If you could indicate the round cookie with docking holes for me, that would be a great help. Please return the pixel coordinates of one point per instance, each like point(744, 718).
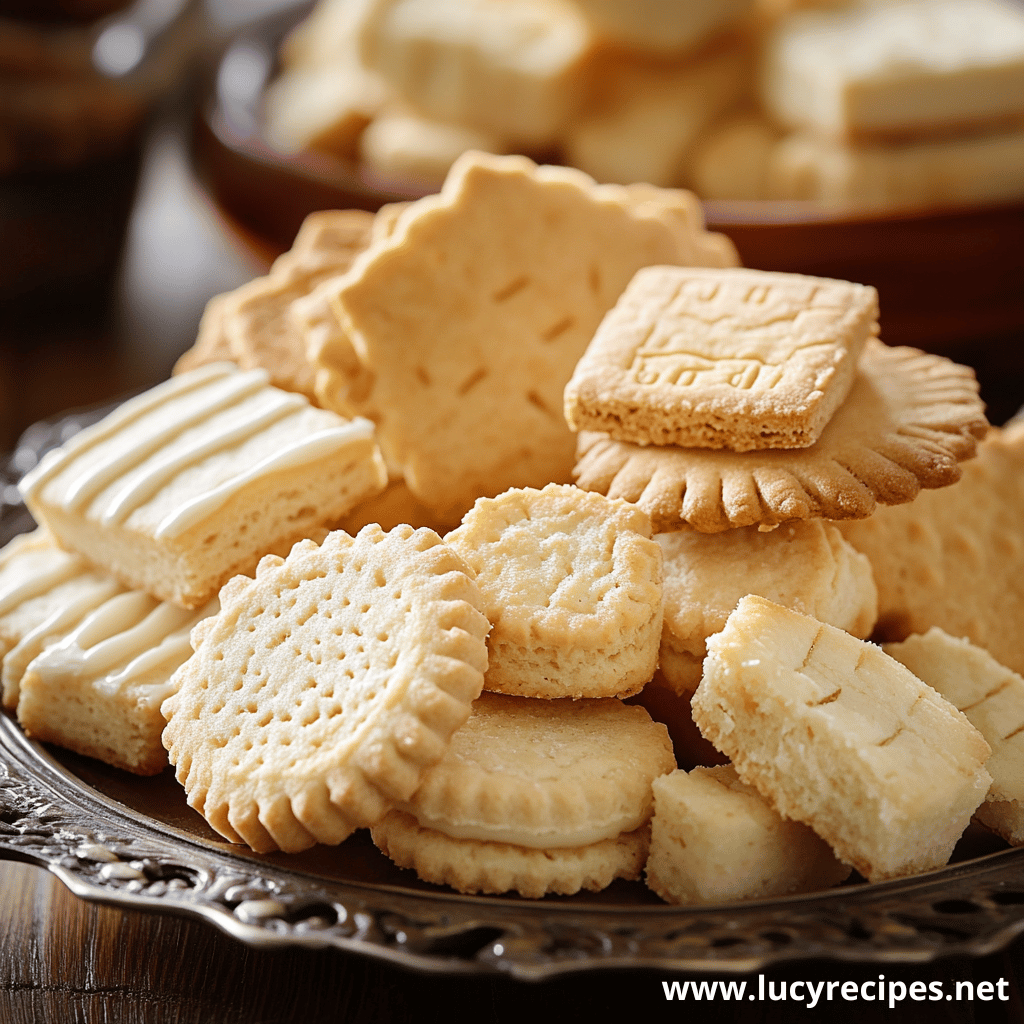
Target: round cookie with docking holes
point(326, 686)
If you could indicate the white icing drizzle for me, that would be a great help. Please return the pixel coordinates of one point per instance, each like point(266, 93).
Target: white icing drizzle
point(136, 492)
point(117, 646)
point(61, 621)
point(34, 583)
point(308, 449)
point(125, 414)
point(550, 839)
point(84, 487)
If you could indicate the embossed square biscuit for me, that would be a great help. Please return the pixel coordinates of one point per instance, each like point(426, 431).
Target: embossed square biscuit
point(737, 359)
point(908, 421)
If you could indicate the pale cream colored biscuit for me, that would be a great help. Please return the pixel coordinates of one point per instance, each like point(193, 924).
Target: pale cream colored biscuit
point(572, 588)
point(44, 593)
point(715, 839)
point(193, 480)
point(471, 866)
point(992, 698)
point(955, 558)
point(731, 161)
point(515, 69)
point(537, 796)
point(472, 313)
point(659, 27)
point(254, 325)
point(805, 566)
point(892, 69)
point(909, 419)
point(323, 108)
point(326, 686)
point(98, 690)
point(545, 774)
point(400, 144)
point(838, 735)
point(957, 171)
point(327, 36)
point(722, 358)
point(651, 114)
point(394, 506)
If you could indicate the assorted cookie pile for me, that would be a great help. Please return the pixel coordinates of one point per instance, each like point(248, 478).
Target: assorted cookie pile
point(370, 595)
point(899, 103)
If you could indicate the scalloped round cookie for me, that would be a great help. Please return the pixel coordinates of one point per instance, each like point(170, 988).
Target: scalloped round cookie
point(572, 586)
point(545, 774)
point(325, 686)
point(470, 866)
point(907, 422)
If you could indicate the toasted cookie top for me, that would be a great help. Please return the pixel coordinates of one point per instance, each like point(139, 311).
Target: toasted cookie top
point(326, 685)
point(722, 358)
point(907, 422)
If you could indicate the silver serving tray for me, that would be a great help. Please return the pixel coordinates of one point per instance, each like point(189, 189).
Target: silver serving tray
point(133, 842)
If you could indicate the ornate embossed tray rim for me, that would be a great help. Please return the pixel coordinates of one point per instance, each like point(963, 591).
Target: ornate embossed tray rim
point(110, 851)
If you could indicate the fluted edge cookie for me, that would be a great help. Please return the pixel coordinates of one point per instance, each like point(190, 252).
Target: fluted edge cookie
point(325, 686)
point(908, 421)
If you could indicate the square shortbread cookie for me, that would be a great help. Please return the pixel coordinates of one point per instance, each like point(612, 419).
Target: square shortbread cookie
point(921, 66)
point(992, 697)
point(838, 735)
point(715, 839)
point(737, 359)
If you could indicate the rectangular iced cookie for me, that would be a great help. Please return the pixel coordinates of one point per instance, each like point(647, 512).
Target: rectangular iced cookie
point(714, 838)
point(992, 697)
point(44, 592)
point(191, 482)
point(98, 691)
point(838, 735)
point(887, 69)
point(722, 358)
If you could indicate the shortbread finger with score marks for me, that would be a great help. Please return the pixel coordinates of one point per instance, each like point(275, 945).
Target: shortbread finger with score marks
point(195, 479)
point(838, 735)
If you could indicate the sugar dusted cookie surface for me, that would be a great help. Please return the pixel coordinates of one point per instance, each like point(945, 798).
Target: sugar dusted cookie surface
point(805, 566)
point(192, 481)
point(536, 796)
point(908, 421)
point(472, 313)
point(572, 587)
point(836, 734)
point(955, 558)
point(992, 698)
point(715, 839)
point(326, 686)
point(737, 359)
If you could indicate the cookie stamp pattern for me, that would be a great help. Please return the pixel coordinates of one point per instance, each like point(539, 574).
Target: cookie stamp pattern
point(908, 421)
point(737, 359)
point(572, 586)
point(836, 734)
point(325, 687)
